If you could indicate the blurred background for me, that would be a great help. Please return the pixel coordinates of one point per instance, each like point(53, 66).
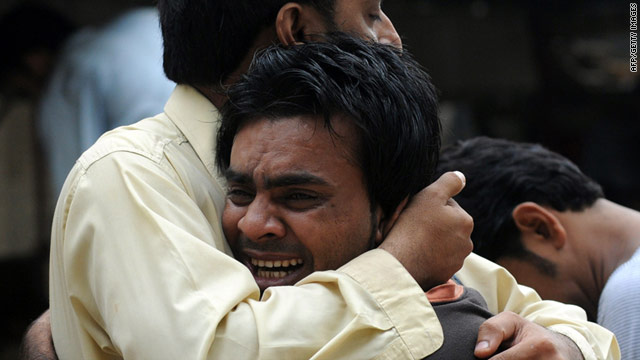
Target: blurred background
point(551, 72)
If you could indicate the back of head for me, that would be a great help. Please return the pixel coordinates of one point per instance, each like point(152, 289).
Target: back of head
point(502, 174)
point(384, 92)
point(206, 40)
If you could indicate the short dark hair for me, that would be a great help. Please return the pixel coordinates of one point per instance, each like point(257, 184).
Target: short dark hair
point(502, 174)
point(206, 40)
point(381, 90)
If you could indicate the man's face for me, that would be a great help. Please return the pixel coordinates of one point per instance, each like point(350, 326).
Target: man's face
point(296, 200)
point(365, 17)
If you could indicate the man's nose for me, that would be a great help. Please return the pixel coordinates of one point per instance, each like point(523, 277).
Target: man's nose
point(387, 33)
point(261, 222)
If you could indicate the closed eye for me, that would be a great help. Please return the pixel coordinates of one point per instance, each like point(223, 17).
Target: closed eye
point(240, 197)
point(301, 196)
point(300, 201)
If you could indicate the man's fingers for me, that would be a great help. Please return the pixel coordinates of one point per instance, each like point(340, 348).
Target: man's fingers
point(514, 353)
point(495, 331)
point(449, 184)
point(460, 175)
point(516, 338)
point(527, 351)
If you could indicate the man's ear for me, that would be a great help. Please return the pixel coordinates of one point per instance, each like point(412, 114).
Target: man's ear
point(296, 22)
point(537, 223)
point(385, 223)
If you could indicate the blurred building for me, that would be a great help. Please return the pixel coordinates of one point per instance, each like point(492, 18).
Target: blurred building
point(554, 72)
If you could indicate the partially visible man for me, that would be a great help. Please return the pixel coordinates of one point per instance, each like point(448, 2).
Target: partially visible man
point(550, 225)
point(31, 36)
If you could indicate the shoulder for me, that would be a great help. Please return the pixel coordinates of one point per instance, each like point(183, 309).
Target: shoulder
point(143, 162)
point(148, 138)
point(475, 265)
point(618, 308)
point(620, 293)
point(624, 278)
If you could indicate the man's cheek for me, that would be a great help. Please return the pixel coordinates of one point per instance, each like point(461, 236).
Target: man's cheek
point(230, 218)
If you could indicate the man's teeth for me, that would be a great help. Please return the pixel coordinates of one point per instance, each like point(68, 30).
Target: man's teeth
point(273, 274)
point(276, 263)
point(265, 267)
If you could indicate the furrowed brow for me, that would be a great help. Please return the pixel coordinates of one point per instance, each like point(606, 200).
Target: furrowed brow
point(237, 177)
point(302, 178)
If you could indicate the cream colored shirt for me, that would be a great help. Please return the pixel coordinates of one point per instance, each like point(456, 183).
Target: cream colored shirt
point(140, 268)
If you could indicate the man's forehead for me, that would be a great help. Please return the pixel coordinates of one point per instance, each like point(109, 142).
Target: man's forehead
point(290, 133)
point(290, 151)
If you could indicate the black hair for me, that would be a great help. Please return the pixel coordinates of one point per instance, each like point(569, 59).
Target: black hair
point(206, 40)
point(502, 174)
point(382, 91)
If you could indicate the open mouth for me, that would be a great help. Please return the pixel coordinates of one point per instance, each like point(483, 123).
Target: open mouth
point(275, 269)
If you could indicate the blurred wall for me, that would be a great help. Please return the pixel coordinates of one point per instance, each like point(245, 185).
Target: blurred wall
point(540, 71)
point(83, 12)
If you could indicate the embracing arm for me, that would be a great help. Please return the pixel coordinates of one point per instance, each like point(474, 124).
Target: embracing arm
point(503, 294)
point(431, 238)
point(139, 270)
point(37, 343)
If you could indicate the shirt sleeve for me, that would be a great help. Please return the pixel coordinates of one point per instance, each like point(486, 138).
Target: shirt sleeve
point(502, 293)
point(145, 280)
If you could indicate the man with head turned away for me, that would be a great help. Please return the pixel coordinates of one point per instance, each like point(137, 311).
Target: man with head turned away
point(550, 225)
point(140, 267)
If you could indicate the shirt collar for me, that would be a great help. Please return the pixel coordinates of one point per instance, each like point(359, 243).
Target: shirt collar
point(198, 119)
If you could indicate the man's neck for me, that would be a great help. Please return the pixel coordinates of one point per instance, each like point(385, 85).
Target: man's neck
point(610, 234)
point(265, 38)
point(217, 98)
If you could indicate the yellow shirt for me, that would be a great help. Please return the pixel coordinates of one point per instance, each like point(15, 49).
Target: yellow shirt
point(140, 268)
